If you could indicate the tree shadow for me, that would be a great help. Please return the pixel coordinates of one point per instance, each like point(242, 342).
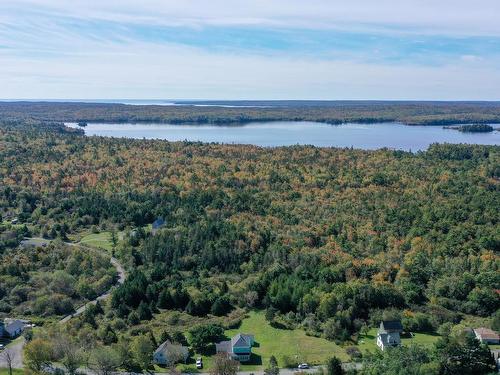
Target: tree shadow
point(278, 325)
point(255, 360)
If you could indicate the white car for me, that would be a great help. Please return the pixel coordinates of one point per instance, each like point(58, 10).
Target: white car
point(1, 346)
point(303, 366)
point(199, 363)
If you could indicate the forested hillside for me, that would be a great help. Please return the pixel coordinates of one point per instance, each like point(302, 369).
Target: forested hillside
point(325, 239)
point(333, 112)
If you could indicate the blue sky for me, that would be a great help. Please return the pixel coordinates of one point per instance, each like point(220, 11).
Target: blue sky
point(357, 49)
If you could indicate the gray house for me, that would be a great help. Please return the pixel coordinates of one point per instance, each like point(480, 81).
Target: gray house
point(239, 347)
point(11, 328)
point(388, 335)
point(169, 353)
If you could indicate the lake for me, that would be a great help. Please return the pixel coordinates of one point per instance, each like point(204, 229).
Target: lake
point(287, 133)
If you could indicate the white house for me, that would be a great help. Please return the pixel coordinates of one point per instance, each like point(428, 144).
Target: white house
point(169, 353)
point(388, 335)
point(487, 336)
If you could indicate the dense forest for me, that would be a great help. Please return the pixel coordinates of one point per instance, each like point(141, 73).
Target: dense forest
point(334, 112)
point(330, 240)
point(51, 280)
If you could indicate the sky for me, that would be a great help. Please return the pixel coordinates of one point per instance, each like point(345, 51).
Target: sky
point(260, 49)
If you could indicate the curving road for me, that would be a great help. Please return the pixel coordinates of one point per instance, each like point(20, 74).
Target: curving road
point(121, 279)
point(35, 241)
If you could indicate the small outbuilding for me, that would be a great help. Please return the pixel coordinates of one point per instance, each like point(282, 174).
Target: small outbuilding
point(487, 336)
point(157, 224)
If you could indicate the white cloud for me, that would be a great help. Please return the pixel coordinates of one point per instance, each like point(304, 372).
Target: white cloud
point(459, 17)
point(167, 71)
point(471, 58)
point(42, 58)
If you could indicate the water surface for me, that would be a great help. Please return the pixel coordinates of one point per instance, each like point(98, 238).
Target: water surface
point(287, 133)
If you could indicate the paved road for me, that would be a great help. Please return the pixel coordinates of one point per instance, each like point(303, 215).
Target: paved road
point(16, 350)
point(16, 347)
point(283, 371)
point(121, 280)
point(294, 371)
point(37, 241)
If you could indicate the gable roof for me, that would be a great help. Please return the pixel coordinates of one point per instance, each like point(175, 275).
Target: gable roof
point(166, 344)
point(391, 325)
point(487, 334)
point(158, 223)
point(13, 326)
point(162, 347)
point(223, 347)
point(242, 340)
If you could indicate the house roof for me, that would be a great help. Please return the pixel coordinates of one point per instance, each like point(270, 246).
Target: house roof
point(223, 346)
point(242, 340)
point(13, 326)
point(486, 333)
point(158, 223)
point(166, 344)
point(162, 347)
point(391, 325)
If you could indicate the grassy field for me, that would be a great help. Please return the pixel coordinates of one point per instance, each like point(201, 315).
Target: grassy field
point(100, 240)
point(280, 342)
point(367, 343)
point(15, 371)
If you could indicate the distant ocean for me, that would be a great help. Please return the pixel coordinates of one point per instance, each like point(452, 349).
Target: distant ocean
point(219, 103)
point(238, 103)
point(164, 102)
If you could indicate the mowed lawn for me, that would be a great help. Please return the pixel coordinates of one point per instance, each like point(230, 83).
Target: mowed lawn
point(280, 342)
point(367, 343)
point(98, 240)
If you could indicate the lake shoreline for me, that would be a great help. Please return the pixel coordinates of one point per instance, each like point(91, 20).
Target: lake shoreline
point(223, 123)
point(390, 135)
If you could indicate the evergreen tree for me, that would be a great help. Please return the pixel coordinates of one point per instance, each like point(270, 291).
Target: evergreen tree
point(143, 311)
point(334, 366)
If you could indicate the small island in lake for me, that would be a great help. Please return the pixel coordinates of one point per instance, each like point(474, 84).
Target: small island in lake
point(82, 124)
point(474, 128)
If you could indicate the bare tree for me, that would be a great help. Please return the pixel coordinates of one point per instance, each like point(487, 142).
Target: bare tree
point(69, 353)
point(172, 370)
point(8, 355)
point(176, 353)
point(224, 365)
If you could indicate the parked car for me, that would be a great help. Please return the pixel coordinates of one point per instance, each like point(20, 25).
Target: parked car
point(1, 347)
point(303, 366)
point(199, 363)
